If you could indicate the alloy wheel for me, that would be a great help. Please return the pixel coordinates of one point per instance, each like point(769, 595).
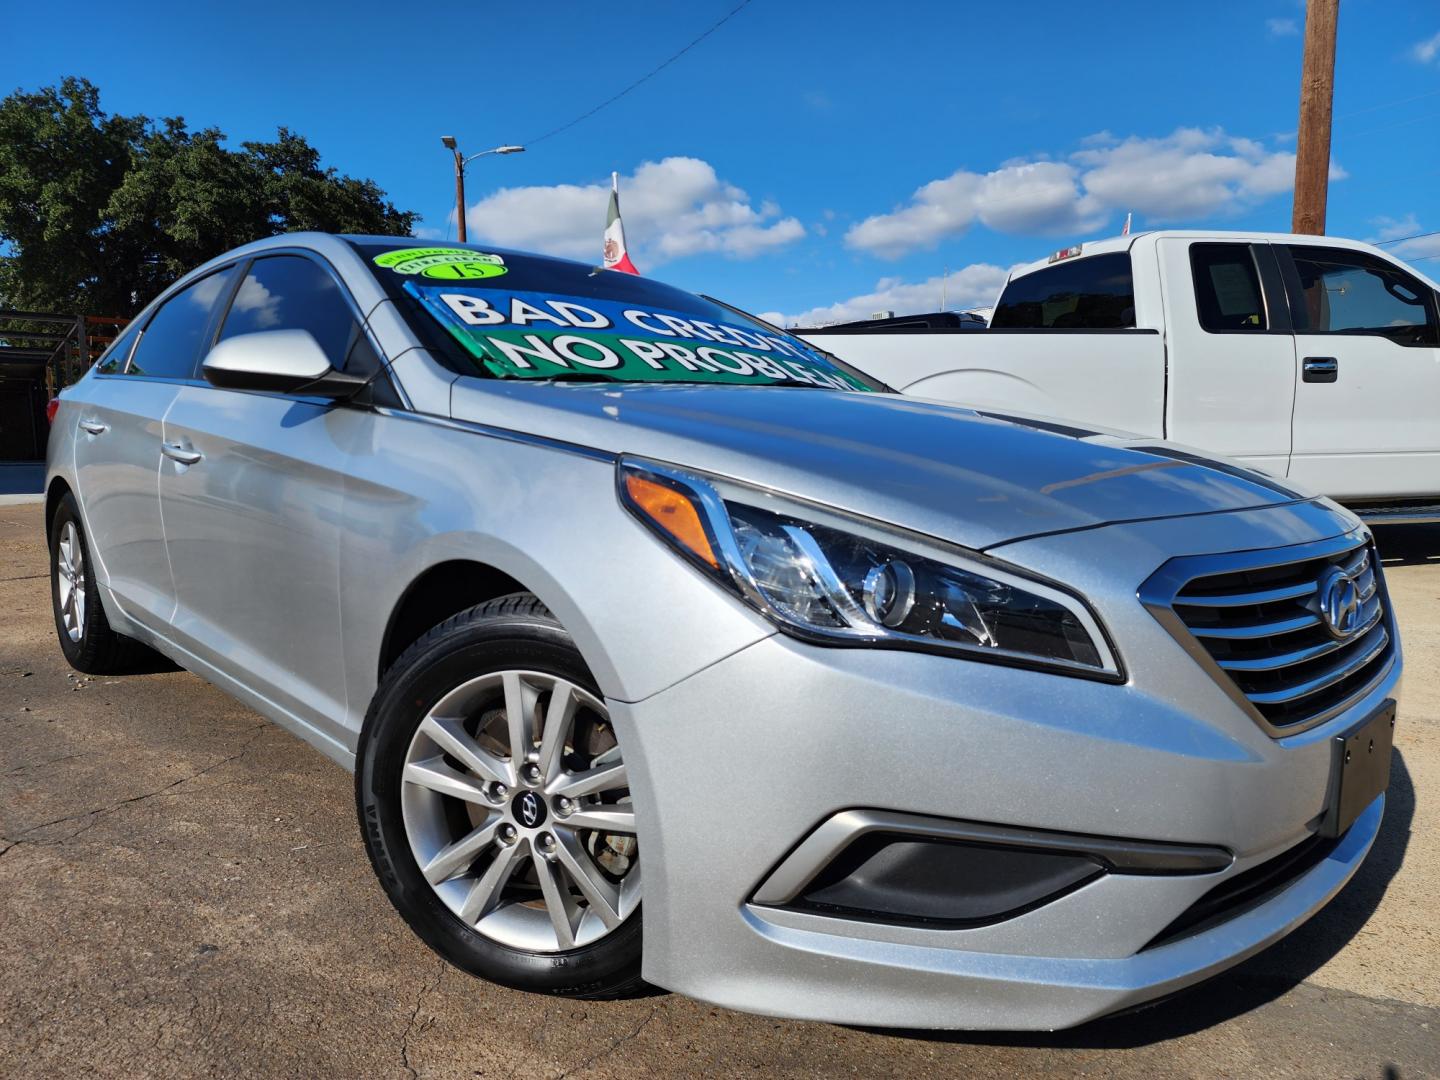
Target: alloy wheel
point(517, 810)
point(70, 579)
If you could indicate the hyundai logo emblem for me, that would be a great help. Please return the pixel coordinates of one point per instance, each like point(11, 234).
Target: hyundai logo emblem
point(529, 809)
point(1340, 600)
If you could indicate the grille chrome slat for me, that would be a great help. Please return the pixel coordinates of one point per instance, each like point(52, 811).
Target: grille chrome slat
point(1300, 656)
point(1329, 677)
point(1257, 622)
point(1261, 596)
point(1247, 631)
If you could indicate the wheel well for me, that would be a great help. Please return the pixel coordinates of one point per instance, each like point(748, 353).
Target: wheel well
point(57, 491)
point(443, 590)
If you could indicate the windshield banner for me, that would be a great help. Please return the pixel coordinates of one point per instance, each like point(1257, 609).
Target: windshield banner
point(534, 335)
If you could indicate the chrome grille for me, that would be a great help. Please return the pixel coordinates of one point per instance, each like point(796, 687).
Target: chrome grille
point(1255, 616)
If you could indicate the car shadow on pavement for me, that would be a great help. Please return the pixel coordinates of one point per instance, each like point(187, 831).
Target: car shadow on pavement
point(1408, 545)
point(1257, 981)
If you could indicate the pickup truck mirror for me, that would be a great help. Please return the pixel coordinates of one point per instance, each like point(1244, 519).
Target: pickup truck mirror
point(280, 361)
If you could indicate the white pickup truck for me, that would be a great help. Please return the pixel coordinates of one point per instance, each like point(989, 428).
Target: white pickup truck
point(1308, 357)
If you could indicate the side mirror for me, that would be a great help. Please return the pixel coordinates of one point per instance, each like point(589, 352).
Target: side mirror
point(281, 361)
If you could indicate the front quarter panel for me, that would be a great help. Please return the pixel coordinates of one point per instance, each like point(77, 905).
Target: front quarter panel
point(422, 493)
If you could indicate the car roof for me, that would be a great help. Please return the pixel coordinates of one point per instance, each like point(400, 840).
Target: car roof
point(1111, 244)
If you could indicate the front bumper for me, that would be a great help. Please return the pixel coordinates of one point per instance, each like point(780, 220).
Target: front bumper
point(736, 765)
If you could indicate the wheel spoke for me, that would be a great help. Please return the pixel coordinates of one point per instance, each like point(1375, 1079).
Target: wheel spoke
point(457, 856)
point(521, 700)
point(435, 775)
point(66, 588)
point(616, 817)
point(604, 896)
point(559, 904)
point(450, 735)
point(558, 718)
point(591, 781)
point(484, 896)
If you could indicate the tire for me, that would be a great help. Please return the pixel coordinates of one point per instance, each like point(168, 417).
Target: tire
point(87, 640)
point(473, 667)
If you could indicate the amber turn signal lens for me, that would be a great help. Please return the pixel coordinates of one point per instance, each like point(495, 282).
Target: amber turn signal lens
point(673, 514)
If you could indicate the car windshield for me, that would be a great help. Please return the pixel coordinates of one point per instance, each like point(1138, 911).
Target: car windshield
point(507, 315)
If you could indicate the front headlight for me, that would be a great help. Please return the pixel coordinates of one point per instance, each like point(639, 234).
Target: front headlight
point(837, 580)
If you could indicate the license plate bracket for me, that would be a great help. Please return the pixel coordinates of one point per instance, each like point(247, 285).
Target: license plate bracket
point(1359, 769)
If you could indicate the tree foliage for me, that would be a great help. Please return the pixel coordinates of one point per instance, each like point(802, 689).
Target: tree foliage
point(98, 213)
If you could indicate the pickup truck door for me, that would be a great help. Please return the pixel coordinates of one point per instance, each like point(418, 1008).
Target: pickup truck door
point(1231, 384)
point(1368, 387)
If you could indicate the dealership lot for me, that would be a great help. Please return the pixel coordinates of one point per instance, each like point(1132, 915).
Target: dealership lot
point(183, 891)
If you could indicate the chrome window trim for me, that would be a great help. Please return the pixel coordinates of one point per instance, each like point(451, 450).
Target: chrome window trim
point(1158, 593)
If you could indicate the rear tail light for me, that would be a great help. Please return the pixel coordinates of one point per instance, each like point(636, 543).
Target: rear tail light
point(51, 408)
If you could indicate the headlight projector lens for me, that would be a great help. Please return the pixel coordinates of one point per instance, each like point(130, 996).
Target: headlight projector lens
point(889, 593)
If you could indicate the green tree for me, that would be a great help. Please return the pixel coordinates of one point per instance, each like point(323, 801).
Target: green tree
point(98, 213)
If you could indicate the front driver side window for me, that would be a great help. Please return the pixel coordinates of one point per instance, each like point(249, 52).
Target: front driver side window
point(289, 292)
point(1352, 292)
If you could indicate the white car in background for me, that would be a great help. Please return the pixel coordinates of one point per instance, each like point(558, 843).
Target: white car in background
point(1312, 358)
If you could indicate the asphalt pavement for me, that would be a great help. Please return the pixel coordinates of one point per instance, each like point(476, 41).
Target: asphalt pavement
point(183, 892)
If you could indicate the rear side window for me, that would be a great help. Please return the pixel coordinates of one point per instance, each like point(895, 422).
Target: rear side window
point(1352, 292)
point(170, 346)
point(1097, 293)
point(289, 292)
point(1227, 288)
point(119, 351)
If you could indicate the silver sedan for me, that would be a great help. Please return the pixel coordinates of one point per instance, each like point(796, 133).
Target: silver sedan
point(665, 647)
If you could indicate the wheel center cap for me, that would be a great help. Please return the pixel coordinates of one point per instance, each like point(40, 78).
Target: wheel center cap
point(529, 809)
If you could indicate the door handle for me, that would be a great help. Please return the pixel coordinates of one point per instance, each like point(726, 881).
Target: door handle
point(94, 427)
point(176, 452)
point(1320, 369)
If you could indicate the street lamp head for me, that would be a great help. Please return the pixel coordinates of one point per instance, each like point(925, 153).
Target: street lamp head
point(510, 149)
point(448, 141)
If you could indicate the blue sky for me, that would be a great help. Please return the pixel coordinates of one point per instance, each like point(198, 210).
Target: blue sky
point(812, 159)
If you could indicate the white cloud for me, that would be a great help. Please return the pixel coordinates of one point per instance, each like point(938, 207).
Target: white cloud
point(1186, 175)
point(1428, 49)
point(672, 208)
point(1282, 27)
point(974, 286)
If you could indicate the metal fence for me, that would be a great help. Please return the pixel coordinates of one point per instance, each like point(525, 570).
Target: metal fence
point(61, 347)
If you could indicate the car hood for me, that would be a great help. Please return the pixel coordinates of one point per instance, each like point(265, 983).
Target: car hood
point(972, 478)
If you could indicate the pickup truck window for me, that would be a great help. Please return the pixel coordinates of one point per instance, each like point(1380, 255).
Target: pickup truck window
point(1227, 288)
point(1097, 293)
point(1351, 292)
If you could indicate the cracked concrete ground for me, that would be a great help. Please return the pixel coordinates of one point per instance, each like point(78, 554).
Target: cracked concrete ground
point(183, 892)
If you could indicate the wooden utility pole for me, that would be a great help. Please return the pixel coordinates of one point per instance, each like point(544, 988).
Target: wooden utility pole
point(1317, 91)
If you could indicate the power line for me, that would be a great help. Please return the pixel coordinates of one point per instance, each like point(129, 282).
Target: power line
point(1402, 239)
point(644, 78)
point(1386, 105)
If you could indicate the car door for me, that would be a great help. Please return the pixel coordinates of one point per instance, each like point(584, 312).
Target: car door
point(253, 507)
point(1231, 381)
point(118, 445)
point(1368, 388)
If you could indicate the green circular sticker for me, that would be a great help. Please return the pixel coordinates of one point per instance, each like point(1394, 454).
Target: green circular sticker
point(446, 264)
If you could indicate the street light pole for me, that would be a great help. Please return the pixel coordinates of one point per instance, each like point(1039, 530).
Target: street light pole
point(448, 141)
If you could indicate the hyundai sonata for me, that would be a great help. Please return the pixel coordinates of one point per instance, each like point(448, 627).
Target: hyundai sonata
point(664, 646)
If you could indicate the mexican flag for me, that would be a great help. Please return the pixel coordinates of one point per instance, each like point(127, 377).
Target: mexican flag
point(616, 257)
